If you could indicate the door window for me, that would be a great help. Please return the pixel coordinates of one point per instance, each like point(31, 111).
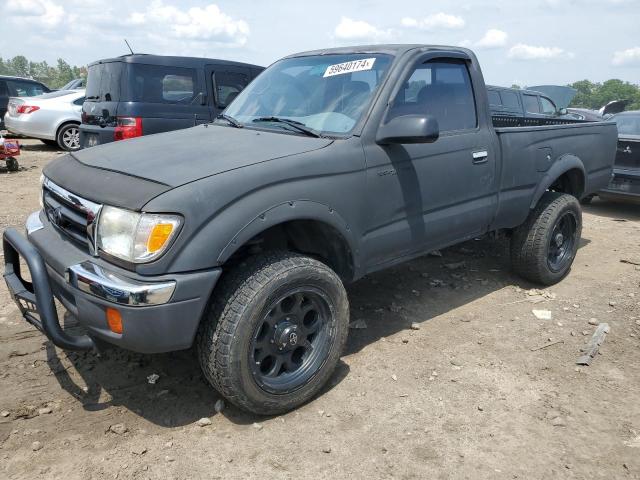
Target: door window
point(494, 98)
point(548, 108)
point(441, 88)
point(228, 86)
point(531, 104)
point(510, 100)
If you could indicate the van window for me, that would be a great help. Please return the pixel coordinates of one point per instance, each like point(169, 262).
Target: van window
point(161, 84)
point(531, 104)
point(3, 88)
point(510, 100)
point(19, 88)
point(548, 108)
point(228, 86)
point(103, 82)
point(442, 89)
point(494, 98)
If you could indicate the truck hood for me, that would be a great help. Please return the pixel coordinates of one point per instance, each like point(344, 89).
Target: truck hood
point(183, 156)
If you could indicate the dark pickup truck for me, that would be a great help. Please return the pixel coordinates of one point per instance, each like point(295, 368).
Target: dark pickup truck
point(330, 165)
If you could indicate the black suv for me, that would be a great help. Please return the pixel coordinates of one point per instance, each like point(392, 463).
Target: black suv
point(137, 95)
point(17, 87)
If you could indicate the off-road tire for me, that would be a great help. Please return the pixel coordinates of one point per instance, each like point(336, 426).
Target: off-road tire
point(237, 306)
point(530, 241)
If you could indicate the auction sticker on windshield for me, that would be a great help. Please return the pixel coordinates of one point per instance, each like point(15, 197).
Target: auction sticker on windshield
point(349, 67)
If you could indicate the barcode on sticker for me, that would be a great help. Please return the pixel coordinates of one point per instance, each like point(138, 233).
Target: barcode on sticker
point(349, 67)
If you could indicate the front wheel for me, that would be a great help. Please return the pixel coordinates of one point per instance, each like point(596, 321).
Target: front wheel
point(544, 247)
point(274, 332)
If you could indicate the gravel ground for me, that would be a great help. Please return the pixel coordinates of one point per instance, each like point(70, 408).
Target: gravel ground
point(450, 375)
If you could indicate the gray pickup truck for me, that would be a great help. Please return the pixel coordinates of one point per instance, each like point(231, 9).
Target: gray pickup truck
point(238, 236)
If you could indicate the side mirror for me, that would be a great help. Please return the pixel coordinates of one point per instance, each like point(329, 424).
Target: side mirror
point(563, 111)
point(409, 129)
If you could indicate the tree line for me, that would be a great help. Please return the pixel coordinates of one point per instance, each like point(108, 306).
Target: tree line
point(590, 94)
point(53, 76)
point(594, 95)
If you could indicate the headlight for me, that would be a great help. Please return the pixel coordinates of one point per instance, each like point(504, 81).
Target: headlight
point(135, 237)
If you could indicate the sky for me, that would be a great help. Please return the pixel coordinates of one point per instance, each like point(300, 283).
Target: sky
point(528, 42)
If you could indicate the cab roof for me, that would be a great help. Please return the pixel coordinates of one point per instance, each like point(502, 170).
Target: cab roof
point(395, 49)
point(172, 61)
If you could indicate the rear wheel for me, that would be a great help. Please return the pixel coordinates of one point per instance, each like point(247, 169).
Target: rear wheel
point(274, 332)
point(50, 143)
point(544, 247)
point(68, 137)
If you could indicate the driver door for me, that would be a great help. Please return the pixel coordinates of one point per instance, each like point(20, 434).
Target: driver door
point(429, 195)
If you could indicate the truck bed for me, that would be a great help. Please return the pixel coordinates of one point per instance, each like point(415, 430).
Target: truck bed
point(532, 156)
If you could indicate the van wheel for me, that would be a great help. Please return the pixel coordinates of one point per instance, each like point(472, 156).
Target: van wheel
point(544, 246)
point(68, 137)
point(274, 332)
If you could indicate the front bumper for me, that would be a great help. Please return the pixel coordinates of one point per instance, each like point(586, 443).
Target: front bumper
point(159, 314)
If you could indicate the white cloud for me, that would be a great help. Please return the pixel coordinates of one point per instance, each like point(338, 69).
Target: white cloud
point(493, 38)
point(359, 30)
point(204, 24)
point(628, 57)
point(45, 12)
point(529, 52)
point(433, 22)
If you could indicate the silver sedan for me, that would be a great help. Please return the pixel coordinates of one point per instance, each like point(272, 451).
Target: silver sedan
point(53, 118)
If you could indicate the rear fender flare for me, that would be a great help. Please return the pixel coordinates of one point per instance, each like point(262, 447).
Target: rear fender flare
point(561, 166)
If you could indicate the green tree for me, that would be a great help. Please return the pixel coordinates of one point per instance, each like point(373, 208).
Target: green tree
point(64, 73)
point(19, 65)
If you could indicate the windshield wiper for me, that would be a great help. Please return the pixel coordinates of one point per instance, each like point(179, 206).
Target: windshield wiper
point(232, 121)
point(301, 127)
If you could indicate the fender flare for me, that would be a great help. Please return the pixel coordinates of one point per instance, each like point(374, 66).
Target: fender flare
point(291, 211)
point(561, 166)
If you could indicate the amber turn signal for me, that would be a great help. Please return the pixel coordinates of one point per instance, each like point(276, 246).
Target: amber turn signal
point(159, 236)
point(114, 320)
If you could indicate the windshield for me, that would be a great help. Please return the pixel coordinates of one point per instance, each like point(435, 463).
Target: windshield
point(326, 93)
point(627, 124)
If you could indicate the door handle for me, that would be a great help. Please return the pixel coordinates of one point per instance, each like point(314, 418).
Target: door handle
point(480, 157)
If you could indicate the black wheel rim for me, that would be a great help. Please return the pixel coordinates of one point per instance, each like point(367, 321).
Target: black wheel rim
point(562, 242)
point(292, 340)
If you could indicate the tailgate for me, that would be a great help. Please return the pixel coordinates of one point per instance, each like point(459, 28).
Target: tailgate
point(628, 153)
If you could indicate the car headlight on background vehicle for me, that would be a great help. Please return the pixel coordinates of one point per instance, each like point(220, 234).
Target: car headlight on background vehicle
point(135, 237)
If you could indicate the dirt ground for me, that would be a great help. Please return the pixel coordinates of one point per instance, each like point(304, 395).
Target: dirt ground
point(481, 390)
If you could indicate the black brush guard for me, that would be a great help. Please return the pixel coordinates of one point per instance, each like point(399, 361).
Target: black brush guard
point(35, 299)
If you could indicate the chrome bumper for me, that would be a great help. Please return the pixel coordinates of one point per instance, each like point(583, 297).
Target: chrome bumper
point(102, 283)
point(108, 285)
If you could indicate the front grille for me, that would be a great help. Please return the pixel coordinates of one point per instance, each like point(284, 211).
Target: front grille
point(73, 215)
